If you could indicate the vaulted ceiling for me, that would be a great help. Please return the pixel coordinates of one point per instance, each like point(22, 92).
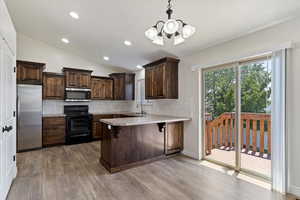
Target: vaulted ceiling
point(105, 24)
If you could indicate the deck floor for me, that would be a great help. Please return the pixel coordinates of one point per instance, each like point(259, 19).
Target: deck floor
point(249, 162)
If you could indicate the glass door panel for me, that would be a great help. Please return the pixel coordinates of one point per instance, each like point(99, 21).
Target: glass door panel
point(219, 116)
point(255, 131)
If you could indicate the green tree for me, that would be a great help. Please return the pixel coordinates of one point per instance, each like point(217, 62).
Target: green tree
point(255, 89)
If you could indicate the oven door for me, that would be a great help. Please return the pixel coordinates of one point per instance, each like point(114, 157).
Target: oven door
point(77, 95)
point(78, 126)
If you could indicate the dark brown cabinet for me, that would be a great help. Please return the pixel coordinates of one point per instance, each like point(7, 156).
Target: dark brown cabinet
point(30, 72)
point(53, 86)
point(77, 78)
point(161, 79)
point(123, 86)
point(174, 137)
point(53, 131)
point(102, 88)
point(98, 126)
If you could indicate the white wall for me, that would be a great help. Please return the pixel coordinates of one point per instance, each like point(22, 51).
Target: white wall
point(31, 50)
point(189, 103)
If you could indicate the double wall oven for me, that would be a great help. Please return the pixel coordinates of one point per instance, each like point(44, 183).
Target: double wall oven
point(78, 124)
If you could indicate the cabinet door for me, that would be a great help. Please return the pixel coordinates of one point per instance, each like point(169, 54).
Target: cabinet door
point(119, 90)
point(149, 84)
point(53, 87)
point(174, 138)
point(28, 73)
point(85, 80)
point(101, 89)
point(95, 88)
point(159, 81)
point(109, 89)
point(97, 130)
point(72, 79)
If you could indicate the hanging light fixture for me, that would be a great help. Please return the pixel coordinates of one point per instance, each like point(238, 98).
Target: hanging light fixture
point(176, 28)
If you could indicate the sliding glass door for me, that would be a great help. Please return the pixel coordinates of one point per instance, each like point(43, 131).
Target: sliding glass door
point(255, 102)
point(237, 115)
point(219, 117)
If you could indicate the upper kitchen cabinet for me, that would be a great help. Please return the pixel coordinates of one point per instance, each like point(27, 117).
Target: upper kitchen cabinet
point(123, 86)
point(53, 86)
point(77, 78)
point(102, 88)
point(30, 72)
point(161, 79)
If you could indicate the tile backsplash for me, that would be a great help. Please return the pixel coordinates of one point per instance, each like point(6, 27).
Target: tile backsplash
point(57, 106)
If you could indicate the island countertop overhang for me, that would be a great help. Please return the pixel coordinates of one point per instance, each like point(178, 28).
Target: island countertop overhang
point(143, 120)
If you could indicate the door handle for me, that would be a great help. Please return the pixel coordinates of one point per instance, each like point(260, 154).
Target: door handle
point(7, 129)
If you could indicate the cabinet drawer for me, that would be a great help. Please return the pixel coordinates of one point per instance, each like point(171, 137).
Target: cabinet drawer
point(53, 131)
point(53, 121)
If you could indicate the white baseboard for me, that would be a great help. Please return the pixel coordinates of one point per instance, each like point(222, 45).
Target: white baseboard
point(191, 154)
point(295, 190)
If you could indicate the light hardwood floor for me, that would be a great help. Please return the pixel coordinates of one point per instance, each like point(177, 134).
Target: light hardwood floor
point(73, 172)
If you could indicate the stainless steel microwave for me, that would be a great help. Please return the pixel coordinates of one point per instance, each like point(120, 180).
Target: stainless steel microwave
point(77, 94)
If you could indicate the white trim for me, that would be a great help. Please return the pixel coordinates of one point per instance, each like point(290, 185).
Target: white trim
point(295, 190)
point(286, 45)
point(278, 156)
point(191, 154)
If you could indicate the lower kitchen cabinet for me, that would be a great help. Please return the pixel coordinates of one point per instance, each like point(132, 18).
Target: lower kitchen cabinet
point(97, 126)
point(54, 131)
point(174, 137)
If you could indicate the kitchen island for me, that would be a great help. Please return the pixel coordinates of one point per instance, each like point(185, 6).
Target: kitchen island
point(136, 140)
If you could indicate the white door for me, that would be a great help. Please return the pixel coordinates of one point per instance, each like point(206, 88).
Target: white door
point(8, 119)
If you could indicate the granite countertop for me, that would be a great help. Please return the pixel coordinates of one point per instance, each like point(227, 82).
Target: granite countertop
point(141, 120)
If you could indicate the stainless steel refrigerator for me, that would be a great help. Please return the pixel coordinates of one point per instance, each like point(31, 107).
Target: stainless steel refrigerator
point(29, 117)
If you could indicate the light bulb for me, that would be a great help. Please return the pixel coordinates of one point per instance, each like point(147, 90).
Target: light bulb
point(188, 31)
point(178, 39)
point(171, 26)
point(151, 33)
point(159, 40)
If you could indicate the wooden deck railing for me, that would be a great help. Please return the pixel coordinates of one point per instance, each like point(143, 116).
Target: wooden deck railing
point(255, 133)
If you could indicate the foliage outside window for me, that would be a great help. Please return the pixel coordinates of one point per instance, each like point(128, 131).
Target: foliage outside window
point(255, 89)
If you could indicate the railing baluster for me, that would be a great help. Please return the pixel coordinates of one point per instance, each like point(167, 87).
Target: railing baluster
point(254, 144)
point(226, 132)
point(262, 136)
point(215, 137)
point(230, 132)
point(269, 136)
point(206, 138)
point(209, 140)
point(242, 133)
point(247, 134)
point(221, 134)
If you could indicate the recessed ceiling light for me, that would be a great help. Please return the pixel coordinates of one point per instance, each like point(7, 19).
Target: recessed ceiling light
point(127, 43)
point(139, 67)
point(65, 40)
point(106, 58)
point(74, 15)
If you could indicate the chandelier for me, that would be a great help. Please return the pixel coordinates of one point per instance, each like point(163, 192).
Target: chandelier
point(176, 28)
